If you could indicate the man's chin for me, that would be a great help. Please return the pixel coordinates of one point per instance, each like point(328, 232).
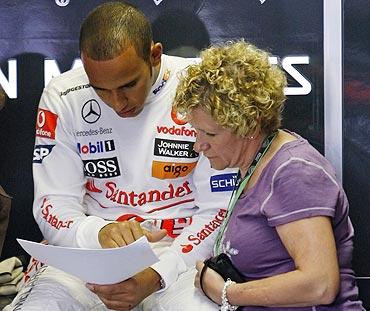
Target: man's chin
point(130, 114)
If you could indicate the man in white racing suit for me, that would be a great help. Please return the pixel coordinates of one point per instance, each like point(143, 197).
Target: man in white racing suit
point(109, 149)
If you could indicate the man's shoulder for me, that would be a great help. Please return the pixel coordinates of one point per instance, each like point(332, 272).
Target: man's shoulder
point(70, 79)
point(177, 62)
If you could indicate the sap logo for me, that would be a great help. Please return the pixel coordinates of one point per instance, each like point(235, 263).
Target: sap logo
point(40, 152)
point(164, 170)
point(98, 147)
point(46, 123)
point(101, 168)
point(223, 182)
point(174, 148)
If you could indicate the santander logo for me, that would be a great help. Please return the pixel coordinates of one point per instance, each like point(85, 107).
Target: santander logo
point(206, 231)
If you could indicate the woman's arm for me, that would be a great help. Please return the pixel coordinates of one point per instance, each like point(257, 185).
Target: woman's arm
point(315, 281)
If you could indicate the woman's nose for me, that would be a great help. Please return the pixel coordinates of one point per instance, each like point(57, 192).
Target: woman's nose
point(200, 146)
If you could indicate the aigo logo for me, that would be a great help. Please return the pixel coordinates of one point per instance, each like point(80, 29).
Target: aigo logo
point(171, 170)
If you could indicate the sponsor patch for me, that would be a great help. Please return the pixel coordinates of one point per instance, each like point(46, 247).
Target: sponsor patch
point(46, 123)
point(96, 147)
point(178, 131)
point(205, 232)
point(53, 219)
point(174, 148)
point(93, 132)
point(177, 117)
point(127, 197)
point(101, 168)
point(91, 111)
point(41, 152)
point(165, 77)
point(170, 170)
point(223, 182)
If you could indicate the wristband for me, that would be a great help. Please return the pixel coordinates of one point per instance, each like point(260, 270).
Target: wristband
point(225, 305)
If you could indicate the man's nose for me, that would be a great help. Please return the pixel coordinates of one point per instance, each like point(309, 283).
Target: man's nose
point(118, 101)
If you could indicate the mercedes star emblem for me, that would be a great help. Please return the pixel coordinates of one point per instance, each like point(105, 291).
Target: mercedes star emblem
point(91, 111)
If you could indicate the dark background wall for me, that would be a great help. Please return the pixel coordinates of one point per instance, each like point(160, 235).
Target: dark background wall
point(356, 132)
point(34, 31)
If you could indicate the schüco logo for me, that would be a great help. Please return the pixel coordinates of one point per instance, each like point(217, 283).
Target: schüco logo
point(170, 170)
point(206, 231)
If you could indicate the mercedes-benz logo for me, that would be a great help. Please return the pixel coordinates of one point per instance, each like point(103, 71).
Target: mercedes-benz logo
point(91, 111)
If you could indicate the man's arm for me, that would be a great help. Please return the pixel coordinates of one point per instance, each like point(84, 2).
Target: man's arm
point(58, 178)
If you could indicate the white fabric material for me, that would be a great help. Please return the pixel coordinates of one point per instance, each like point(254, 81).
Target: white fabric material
point(92, 169)
point(70, 293)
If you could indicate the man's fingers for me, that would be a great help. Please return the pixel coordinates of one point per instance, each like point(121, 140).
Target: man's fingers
point(155, 236)
point(136, 230)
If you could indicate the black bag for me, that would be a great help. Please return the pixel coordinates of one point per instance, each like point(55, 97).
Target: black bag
point(223, 266)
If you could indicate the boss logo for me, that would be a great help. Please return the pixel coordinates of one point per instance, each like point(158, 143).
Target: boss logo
point(101, 168)
point(170, 170)
point(40, 152)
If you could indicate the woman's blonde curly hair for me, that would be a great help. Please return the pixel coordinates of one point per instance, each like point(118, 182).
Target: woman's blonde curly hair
point(237, 85)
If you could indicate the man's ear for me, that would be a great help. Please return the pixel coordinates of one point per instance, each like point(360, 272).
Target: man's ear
point(156, 53)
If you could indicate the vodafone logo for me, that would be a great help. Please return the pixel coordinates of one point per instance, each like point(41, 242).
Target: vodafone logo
point(178, 131)
point(177, 117)
point(41, 119)
point(46, 123)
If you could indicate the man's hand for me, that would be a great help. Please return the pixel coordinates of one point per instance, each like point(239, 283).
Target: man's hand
point(127, 294)
point(119, 234)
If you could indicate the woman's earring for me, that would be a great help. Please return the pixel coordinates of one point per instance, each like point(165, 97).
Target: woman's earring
point(251, 137)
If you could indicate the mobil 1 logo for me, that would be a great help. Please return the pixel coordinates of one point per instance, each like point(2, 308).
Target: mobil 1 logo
point(101, 168)
point(96, 147)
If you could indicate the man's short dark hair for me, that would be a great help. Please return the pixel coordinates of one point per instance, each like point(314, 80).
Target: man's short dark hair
point(113, 27)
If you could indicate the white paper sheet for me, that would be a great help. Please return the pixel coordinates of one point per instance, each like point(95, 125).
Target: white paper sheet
point(99, 266)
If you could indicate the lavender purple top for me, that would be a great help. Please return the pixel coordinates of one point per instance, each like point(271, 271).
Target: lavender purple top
point(297, 183)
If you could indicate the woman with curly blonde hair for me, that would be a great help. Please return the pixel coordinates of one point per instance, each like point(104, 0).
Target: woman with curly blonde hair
point(287, 237)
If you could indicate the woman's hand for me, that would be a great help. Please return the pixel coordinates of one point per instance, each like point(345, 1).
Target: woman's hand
point(212, 282)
